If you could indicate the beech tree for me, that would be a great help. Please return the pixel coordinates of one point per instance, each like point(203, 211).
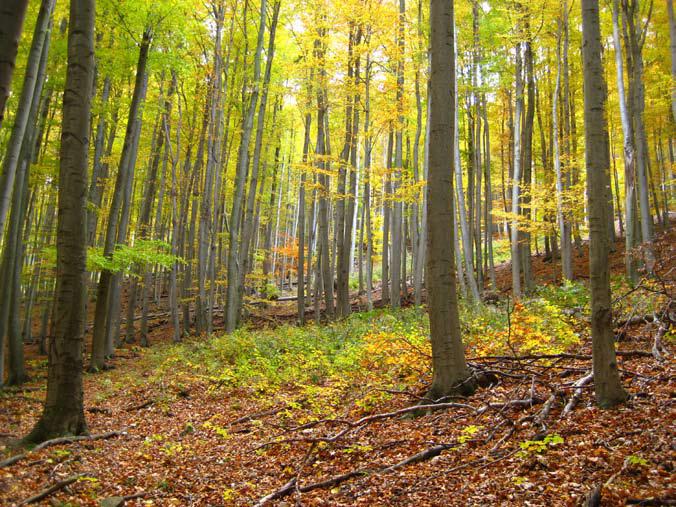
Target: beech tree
point(12, 14)
point(63, 412)
point(609, 391)
point(451, 374)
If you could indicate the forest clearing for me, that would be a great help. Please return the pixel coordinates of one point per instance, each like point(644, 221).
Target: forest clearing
point(321, 252)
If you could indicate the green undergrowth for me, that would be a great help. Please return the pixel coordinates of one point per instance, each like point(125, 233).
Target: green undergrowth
point(361, 359)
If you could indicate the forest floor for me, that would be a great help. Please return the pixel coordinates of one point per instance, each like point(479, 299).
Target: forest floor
point(326, 415)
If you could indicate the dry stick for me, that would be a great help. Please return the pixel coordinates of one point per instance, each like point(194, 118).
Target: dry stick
point(52, 489)
point(580, 384)
point(369, 419)
point(546, 409)
point(264, 413)
point(143, 405)
point(338, 479)
point(58, 441)
point(564, 355)
point(421, 456)
point(283, 491)
point(658, 348)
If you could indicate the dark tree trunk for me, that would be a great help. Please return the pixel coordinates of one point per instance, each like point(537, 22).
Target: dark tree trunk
point(607, 385)
point(12, 14)
point(64, 408)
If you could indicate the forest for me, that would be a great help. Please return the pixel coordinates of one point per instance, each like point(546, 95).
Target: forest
point(337, 252)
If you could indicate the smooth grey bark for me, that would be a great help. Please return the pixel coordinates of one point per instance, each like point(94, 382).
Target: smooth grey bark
point(397, 214)
point(450, 372)
point(203, 304)
point(144, 218)
point(342, 267)
point(233, 301)
point(422, 244)
point(300, 269)
point(489, 199)
point(63, 412)
point(12, 156)
point(607, 385)
point(629, 152)
point(368, 148)
point(351, 192)
point(248, 225)
point(175, 232)
point(102, 316)
point(12, 258)
point(561, 215)
point(12, 15)
point(466, 238)
point(387, 219)
point(97, 182)
point(267, 243)
point(114, 300)
point(635, 35)
point(516, 176)
point(672, 47)
point(321, 150)
point(415, 207)
point(527, 152)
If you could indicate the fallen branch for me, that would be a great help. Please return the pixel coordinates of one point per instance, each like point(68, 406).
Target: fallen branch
point(425, 455)
point(283, 491)
point(52, 489)
point(364, 420)
point(58, 441)
point(579, 389)
point(658, 350)
point(546, 409)
point(257, 415)
point(143, 405)
point(419, 457)
point(563, 355)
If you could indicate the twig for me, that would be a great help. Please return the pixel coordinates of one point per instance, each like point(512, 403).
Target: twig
point(58, 441)
point(257, 415)
point(52, 489)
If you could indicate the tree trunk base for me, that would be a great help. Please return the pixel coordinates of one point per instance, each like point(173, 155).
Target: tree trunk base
point(57, 424)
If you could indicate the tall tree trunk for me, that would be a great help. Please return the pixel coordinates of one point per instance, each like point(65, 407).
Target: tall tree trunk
point(672, 46)
point(321, 151)
point(12, 15)
point(607, 385)
point(204, 305)
point(629, 153)
point(124, 174)
point(489, 198)
point(387, 214)
point(561, 214)
point(397, 218)
point(450, 373)
point(233, 300)
point(97, 182)
point(300, 269)
point(63, 412)
point(11, 157)
point(516, 176)
point(525, 242)
point(462, 213)
point(635, 38)
point(12, 258)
